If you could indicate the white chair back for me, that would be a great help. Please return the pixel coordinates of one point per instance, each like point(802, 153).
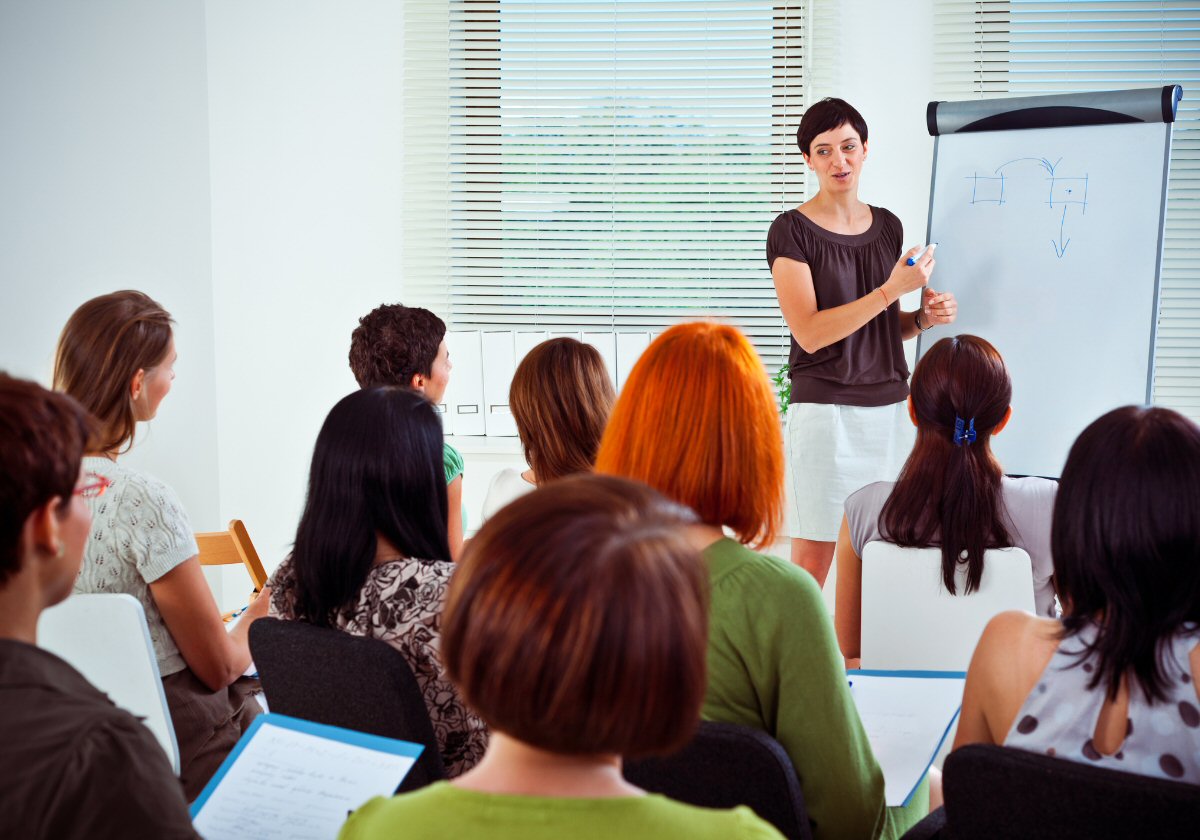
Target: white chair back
point(909, 620)
point(105, 638)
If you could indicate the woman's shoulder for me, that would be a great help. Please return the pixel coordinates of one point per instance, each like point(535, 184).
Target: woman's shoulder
point(452, 461)
point(132, 484)
point(869, 498)
point(733, 566)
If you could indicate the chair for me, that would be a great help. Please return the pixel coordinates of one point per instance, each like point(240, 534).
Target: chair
point(725, 765)
point(331, 677)
point(106, 639)
point(1001, 792)
point(225, 548)
point(909, 620)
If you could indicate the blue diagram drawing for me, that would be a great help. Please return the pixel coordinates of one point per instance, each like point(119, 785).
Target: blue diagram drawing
point(1065, 191)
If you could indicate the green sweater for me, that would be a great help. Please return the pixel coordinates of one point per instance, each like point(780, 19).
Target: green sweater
point(774, 665)
point(442, 810)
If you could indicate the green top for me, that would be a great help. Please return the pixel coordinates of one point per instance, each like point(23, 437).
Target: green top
point(442, 810)
point(452, 461)
point(774, 665)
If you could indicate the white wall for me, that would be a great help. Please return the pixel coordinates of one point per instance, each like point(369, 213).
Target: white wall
point(305, 126)
point(104, 186)
point(241, 163)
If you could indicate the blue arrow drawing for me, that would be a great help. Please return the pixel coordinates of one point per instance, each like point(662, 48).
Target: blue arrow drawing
point(1060, 247)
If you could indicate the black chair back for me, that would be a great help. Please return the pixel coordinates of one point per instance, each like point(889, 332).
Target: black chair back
point(1001, 792)
point(726, 765)
point(330, 677)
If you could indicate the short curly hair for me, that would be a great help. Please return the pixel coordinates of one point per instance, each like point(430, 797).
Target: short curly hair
point(393, 343)
point(826, 115)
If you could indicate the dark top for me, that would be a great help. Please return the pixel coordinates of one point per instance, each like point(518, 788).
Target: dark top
point(74, 764)
point(866, 367)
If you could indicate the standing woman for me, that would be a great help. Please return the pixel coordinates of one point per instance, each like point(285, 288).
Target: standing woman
point(839, 273)
point(116, 357)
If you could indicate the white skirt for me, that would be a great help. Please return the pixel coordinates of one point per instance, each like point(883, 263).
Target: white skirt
point(833, 450)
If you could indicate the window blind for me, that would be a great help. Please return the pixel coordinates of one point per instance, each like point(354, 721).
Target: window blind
point(613, 165)
point(1023, 48)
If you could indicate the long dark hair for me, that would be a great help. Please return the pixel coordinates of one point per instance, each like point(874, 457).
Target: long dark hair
point(376, 468)
point(1126, 541)
point(949, 492)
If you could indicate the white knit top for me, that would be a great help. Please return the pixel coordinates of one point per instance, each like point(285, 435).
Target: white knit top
point(139, 533)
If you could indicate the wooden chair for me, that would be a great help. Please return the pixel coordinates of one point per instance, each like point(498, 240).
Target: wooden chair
point(105, 638)
point(909, 620)
point(226, 548)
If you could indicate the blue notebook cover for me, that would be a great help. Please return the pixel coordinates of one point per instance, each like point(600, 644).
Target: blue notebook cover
point(332, 733)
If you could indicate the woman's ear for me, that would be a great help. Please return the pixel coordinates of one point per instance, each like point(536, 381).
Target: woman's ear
point(136, 384)
point(418, 382)
point(912, 412)
point(1003, 422)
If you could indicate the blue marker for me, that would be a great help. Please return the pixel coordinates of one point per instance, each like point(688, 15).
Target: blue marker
point(913, 259)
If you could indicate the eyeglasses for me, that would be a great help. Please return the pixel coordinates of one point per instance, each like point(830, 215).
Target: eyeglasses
point(93, 487)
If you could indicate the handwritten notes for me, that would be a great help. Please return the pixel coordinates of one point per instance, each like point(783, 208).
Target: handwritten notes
point(906, 715)
point(289, 778)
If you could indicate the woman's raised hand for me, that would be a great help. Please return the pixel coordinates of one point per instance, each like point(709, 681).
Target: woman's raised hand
point(907, 278)
point(938, 307)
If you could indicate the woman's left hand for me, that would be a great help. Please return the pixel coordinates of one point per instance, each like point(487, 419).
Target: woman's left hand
point(938, 307)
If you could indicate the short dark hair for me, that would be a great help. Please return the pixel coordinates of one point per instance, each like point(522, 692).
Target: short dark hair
point(105, 342)
point(827, 115)
point(42, 440)
point(560, 397)
point(951, 494)
point(393, 343)
point(577, 621)
point(1126, 541)
point(376, 468)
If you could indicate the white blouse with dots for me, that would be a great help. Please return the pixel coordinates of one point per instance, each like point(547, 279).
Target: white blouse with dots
point(1059, 716)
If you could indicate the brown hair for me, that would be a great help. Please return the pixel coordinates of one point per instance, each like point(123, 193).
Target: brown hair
point(560, 397)
point(42, 436)
point(577, 620)
point(392, 343)
point(105, 343)
point(949, 489)
point(697, 421)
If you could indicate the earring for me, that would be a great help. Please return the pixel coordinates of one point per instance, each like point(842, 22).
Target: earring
point(62, 551)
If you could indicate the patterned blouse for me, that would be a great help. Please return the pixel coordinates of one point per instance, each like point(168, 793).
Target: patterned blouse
point(401, 603)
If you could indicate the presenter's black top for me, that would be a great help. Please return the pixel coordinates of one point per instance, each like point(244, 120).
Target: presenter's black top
point(867, 367)
point(75, 765)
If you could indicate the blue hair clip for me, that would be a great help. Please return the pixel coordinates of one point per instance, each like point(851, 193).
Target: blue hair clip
point(961, 436)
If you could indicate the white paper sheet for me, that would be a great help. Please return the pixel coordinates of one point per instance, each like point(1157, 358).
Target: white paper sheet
point(285, 783)
point(906, 716)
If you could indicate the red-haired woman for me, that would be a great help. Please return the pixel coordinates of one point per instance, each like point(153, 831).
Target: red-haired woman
point(952, 491)
point(839, 274)
point(696, 420)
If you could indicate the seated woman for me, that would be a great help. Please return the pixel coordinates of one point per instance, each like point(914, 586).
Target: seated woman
point(371, 556)
point(697, 421)
point(402, 345)
point(952, 491)
point(560, 397)
point(1115, 683)
point(575, 626)
point(116, 356)
point(74, 764)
